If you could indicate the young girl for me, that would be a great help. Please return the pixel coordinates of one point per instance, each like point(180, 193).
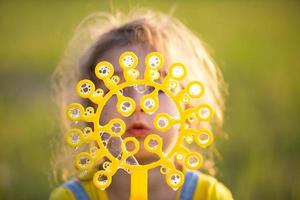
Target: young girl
point(103, 36)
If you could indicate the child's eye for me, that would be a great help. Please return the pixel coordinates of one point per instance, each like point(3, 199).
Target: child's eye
point(150, 89)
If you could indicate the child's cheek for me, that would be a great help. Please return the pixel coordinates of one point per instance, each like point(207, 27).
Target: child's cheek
point(169, 137)
point(166, 105)
point(109, 111)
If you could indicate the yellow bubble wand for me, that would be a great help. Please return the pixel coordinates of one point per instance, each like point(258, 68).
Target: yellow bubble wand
point(116, 127)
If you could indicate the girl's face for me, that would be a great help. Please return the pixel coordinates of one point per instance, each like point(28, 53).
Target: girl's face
point(139, 124)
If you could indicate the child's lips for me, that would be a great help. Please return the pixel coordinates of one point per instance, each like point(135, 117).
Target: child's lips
point(138, 130)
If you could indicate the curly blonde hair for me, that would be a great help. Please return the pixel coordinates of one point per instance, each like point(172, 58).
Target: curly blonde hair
point(100, 32)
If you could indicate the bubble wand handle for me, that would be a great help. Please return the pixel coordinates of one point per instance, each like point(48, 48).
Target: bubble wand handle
point(139, 185)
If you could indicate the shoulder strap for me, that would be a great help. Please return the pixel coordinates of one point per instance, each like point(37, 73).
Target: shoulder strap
point(190, 183)
point(77, 189)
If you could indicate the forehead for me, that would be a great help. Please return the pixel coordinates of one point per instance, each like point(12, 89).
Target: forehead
point(140, 50)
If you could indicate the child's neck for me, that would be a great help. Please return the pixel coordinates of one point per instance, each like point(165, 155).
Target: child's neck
point(157, 187)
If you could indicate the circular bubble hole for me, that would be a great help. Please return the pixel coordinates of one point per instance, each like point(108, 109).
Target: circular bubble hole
point(128, 61)
point(195, 89)
point(193, 161)
point(204, 112)
point(106, 165)
point(126, 106)
point(75, 112)
point(153, 143)
point(104, 70)
point(75, 137)
point(149, 103)
point(116, 127)
point(102, 179)
point(203, 137)
point(130, 146)
point(154, 61)
point(163, 122)
point(85, 88)
point(84, 161)
point(175, 179)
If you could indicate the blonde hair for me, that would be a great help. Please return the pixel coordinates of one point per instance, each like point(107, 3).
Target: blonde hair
point(102, 31)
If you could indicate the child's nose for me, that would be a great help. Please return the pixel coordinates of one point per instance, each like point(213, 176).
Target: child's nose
point(135, 95)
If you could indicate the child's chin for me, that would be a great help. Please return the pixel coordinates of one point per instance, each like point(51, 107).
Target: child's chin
point(144, 157)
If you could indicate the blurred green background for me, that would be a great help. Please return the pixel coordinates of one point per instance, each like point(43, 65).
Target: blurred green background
point(256, 43)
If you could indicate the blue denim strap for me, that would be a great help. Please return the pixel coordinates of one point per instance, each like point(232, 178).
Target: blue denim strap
point(189, 186)
point(77, 189)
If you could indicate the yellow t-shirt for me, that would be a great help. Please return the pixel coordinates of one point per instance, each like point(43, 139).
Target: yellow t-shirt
point(207, 188)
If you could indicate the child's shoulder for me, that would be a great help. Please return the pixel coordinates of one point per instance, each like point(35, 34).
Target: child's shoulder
point(61, 193)
point(205, 187)
point(209, 188)
point(77, 189)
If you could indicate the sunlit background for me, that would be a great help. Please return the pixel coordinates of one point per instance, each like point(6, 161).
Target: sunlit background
point(257, 45)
